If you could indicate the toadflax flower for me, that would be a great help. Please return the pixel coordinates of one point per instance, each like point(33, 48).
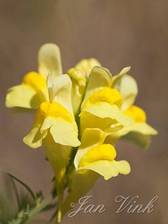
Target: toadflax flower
point(97, 155)
point(138, 130)
point(48, 92)
point(108, 104)
point(93, 159)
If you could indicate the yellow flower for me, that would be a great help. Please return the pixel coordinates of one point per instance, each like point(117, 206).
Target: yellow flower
point(49, 92)
point(101, 105)
point(138, 130)
point(94, 158)
point(99, 156)
point(108, 105)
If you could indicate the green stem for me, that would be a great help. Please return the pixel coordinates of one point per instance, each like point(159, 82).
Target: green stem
point(28, 217)
point(59, 211)
point(38, 209)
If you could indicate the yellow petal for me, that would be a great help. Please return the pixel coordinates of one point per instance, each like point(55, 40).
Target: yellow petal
point(99, 77)
point(30, 93)
point(78, 87)
point(65, 133)
point(36, 81)
point(123, 166)
point(55, 110)
point(100, 152)
point(142, 128)
point(77, 76)
point(109, 169)
point(34, 138)
point(49, 60)
point(105, 110)
point(103, 168)
point(136, 113)
point(89, 120)
point(58, 157)
point(138, 133)
point(116, 78)
point(47, 123)
point(127, 86)
point(103, 94)
point(86, 65)
point(23, 96)
point(62, 89)
point(91, 137)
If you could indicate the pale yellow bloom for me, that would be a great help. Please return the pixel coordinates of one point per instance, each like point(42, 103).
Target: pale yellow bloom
point(108, 105)
point(138, 130)
point(101, 105)
point(94, 158)
point(49, 92)
point(99, 156)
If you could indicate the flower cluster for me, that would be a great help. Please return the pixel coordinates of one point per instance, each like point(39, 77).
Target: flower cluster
point(79, 118)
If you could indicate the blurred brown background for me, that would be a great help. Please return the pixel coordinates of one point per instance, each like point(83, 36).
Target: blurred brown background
point(118, 33)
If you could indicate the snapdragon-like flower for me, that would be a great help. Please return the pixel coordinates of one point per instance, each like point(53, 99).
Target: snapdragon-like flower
point(97, 155)
point(48, 92)
point(94, 158)
point(108, 105)
point(138, 130)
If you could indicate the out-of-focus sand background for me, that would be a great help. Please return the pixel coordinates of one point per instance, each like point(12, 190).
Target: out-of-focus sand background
point(118, 33)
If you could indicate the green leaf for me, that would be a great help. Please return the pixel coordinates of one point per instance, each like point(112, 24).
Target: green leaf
point(18, 203)
point(14, 196)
